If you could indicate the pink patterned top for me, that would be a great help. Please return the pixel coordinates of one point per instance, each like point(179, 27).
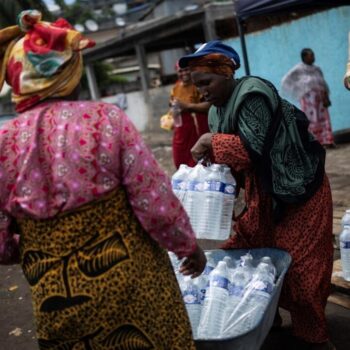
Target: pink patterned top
point(61, 155)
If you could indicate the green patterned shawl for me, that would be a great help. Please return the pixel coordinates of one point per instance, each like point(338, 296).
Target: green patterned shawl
point(288, 159)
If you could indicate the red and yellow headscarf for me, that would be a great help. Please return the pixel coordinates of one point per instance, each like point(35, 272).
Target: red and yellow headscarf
point(213, 63)
point(40, 59)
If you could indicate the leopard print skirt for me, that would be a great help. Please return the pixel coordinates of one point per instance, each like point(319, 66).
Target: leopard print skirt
point(98, 281)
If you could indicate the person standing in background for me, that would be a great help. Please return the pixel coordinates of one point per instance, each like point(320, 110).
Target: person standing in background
point(191, 120)
point(305, 83)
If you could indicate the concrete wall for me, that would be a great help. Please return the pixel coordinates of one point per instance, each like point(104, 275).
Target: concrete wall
point(142, 116)
point(274, 51)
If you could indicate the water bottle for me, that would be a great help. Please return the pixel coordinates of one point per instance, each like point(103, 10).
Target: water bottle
point(228, 202)
point(202, 283)
point(246, 262)
point(211, 204)
point(263, 270)
point(212, 319)
point(271, 267)
point(229, 262)
point(344, 242)
point(179, 181)
point(192, 299)
point(259, 293)
point(345, 221)
point(236, 309)
point(230, 266)
point(193, 198)
point(176, 113)
point(210, 265)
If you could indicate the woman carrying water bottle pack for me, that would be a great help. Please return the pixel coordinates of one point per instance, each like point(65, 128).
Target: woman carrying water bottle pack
point(265, 142)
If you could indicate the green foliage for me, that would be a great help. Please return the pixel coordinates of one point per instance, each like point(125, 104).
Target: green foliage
point(76, 12)
point(104, 76)
point(107, 12)
point(9, 10)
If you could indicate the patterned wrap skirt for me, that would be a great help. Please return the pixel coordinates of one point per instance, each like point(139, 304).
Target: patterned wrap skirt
point(98, 281)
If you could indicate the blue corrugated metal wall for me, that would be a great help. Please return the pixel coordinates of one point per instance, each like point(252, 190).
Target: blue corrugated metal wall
point(274, 51)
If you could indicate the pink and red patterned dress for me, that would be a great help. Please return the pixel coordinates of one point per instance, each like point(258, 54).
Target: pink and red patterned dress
point(320, 122)
point(61, 155)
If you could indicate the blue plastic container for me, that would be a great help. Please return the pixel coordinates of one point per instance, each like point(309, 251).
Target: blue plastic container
point(253, 339)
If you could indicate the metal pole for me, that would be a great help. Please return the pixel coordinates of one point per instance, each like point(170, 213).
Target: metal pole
point(90, 74)
point(244, 48)
point(142, 60)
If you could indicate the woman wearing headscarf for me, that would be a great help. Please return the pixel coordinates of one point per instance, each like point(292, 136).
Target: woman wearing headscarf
point(91, 204)
point(264, 140)
point(305, 83)
point(193, 117)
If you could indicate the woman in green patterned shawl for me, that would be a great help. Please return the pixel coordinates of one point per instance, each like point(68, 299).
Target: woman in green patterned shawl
point(280, 166)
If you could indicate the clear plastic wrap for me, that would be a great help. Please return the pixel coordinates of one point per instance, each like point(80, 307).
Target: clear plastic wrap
point(251, 302)
point(207, 194)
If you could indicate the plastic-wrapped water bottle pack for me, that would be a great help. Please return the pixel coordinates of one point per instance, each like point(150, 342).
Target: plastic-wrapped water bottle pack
point(207, 194)
point(230, 297)
point(344, 241)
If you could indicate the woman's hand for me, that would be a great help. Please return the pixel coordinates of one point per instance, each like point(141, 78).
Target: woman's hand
point(326, 101)
point(194, 264)
point(183, 105)
point(347, 82)
point(202, 147)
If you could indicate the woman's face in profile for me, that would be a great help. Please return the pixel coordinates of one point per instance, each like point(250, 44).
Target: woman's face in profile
point(184, 74)
point(213, 87)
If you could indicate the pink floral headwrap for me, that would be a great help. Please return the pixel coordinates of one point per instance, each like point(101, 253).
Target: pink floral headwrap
point(40, 59)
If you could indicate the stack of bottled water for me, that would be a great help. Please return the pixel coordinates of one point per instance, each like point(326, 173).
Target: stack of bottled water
point(213, 317)
point(228, 299)
point(191, 294)
point(207, 194)
point(344, 241)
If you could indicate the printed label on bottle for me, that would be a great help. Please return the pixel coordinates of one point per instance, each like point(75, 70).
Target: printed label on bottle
point(178, 184)
point(194, 186)
point(261, 286)
point(345, 244)
point(230, 189)
point(219, 281)
point(191, 297)
point(235, 290)
point(214, 186)
point(208, 269)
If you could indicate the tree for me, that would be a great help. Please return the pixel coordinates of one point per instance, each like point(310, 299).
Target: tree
point(75, 13)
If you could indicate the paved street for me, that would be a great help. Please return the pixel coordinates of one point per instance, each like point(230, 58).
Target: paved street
point(17, 330)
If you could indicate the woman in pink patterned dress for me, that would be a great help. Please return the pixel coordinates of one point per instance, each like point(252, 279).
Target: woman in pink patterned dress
point(91, 204)
point(305, 82)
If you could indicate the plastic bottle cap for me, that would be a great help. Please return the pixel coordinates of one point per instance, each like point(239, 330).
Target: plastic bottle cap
point(187, 278)
point(222, 264)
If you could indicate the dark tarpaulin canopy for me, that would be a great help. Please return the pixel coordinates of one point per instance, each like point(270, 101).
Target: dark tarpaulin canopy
point(248, 8)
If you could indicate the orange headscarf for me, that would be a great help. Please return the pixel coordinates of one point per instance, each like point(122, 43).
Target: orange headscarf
point(40, 59)
point(213, 63)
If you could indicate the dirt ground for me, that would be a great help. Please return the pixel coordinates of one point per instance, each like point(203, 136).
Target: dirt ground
point(17, 330)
